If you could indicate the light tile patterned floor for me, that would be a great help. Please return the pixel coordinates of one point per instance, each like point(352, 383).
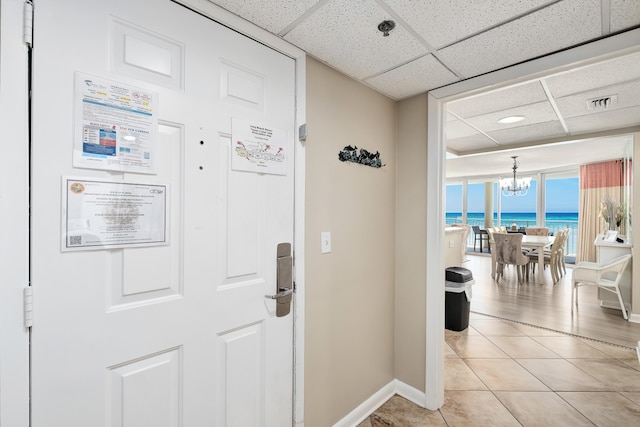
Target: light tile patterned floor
point(502, 373)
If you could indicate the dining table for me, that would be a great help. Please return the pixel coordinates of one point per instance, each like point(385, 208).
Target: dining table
point(538, 243)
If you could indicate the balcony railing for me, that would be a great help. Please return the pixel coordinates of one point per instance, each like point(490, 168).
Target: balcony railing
point(554, 226)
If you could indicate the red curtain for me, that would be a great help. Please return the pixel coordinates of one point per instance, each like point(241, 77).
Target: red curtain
point(601, 175)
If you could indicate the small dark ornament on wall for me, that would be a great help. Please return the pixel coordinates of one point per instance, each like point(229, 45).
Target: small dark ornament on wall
point(351, 154)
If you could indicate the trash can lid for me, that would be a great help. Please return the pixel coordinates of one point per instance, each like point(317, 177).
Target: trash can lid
point(458, 274)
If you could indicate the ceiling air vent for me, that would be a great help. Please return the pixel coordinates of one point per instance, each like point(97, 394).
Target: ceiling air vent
point(602, 103)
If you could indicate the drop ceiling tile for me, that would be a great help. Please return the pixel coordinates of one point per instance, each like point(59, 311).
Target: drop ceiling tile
point(599, 75)
point(345, 35)
point(472, 143)
point(458, 129)
point(503, 99)
point(556, 27)
point(522, 135)
point(272, 15)
point(441, 23)
point(539, 112)
point(624, 14)
point(415, 77)
point(626, 95)
point(616, 119)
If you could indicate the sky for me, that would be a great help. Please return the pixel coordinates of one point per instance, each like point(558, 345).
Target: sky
point(562, 196)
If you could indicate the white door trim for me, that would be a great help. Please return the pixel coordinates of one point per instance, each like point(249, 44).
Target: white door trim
point(236, 23)
point(14, 216)
point(582, 55)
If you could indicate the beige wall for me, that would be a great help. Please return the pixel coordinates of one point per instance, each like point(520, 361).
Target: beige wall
point(350, 291)
point(411, 213)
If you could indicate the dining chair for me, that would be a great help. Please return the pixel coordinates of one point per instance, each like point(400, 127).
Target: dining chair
point(490, 232)
point(562, 265)
point(536, 231)
point(552, 257)
point(605, 275)
point(463, 238)
point(508, 251)
point(479, 235)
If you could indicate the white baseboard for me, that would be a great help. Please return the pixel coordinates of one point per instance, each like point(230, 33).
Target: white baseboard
point(412, 394)
point(367, 407)
point(634, 318)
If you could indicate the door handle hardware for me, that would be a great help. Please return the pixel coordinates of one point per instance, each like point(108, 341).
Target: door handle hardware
point(283, 293)
point(284, 280)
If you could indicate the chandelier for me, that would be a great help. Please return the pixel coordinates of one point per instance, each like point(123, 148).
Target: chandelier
point(515, 186)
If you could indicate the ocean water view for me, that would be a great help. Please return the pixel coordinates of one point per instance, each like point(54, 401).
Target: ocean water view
point(554, 220)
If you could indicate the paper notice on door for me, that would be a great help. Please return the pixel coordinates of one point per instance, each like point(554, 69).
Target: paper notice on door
point(115, 127)
point(111, 214)
point(258, 148)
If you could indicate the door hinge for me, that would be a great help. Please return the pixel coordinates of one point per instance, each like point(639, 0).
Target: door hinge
point(28, 306)
point(27, 27)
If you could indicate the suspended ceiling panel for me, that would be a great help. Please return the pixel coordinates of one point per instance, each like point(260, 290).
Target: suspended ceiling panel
point(442, 23)
point(346, 36)
point(272, 15)
point(459, 129)
point(473, 143)
point(608, 120)
point(502, 100)
point(569, 99)
point(423, 73)
point(533, 113)
point(556, 27)
point(619, 97)
point(521, 135)
point(624, 14)
point(598, 76)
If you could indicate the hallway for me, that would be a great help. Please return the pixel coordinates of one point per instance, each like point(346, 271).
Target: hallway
point(504, 373)
point(526, 360)
point(547, 305)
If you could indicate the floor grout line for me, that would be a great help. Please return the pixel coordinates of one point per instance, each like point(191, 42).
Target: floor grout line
point(553, 330)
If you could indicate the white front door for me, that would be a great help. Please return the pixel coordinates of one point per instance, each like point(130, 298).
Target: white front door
point(178, 334)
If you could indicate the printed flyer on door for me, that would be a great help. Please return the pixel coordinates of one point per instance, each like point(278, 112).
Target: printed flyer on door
point(112, 214)
point(116, 126)
point(258, 148)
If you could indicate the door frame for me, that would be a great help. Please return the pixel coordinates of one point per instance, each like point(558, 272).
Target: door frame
point(598, 50)
point(14, 214)
point(252, 31)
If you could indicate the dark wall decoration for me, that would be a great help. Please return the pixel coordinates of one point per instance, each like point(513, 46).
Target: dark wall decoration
point(351, 154)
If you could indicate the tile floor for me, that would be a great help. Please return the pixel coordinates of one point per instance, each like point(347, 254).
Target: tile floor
point(503, 373)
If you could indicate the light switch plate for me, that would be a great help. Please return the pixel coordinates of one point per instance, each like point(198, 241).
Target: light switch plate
point(325, 242)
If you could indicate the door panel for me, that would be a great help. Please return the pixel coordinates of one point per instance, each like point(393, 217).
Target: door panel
point(240, 365)
point(174, 335)
point(132, 281)
point(146, 391)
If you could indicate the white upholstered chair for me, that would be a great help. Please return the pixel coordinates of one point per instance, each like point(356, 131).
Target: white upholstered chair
point(605, 275)
point(508, 251)
point(463, 238)
point(562, 265)
point(490, 232)
point(537, 231)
